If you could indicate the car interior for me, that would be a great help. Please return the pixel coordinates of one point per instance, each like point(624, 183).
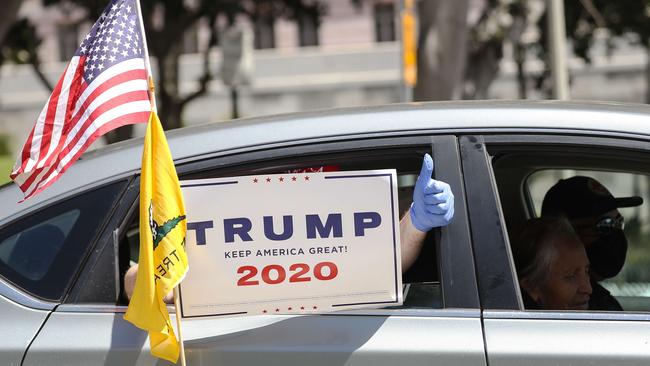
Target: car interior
point(524, 174)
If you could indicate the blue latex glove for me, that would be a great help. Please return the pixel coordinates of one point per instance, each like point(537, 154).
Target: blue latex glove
point(433, 202)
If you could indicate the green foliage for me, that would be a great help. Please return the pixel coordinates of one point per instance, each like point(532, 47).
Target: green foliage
point(4, 145)
point(21, 43)
point(6, 163)
point(6, 160)
point(627, 20)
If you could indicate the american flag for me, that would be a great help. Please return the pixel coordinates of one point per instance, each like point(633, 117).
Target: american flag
point(103, 87)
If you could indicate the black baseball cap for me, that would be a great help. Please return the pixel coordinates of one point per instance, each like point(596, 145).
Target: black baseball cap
point(583, 197)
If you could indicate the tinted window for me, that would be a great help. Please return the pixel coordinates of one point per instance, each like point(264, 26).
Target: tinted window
point(41, 253)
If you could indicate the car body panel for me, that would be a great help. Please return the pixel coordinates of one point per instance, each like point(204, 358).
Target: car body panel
point(98, 166)
point(593, 341)
point(20, 325)
point(341, 340)
point(93, 338)
point(440, 337)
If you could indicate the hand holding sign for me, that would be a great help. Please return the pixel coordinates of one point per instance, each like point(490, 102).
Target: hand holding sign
point(433, 201)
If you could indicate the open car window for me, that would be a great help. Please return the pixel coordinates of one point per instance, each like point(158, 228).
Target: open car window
point(525, 173)
point(421, 288)
point(631, 286)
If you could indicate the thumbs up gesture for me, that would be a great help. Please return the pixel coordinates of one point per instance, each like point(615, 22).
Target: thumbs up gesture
point(433, 201)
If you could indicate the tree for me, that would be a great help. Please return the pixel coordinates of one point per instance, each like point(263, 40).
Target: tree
point(499, 22)
point(622, 20)
point(20, 46)
point(460, 57)
point(441, 49)
point(8, 13)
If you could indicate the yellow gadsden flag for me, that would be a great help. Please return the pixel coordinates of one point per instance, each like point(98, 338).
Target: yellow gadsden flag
point(163, 262)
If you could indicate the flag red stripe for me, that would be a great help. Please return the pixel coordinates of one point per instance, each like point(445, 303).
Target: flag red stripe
point(24, 156)
point(139, 117)
point(114, 81)
point(72, 87)
point(78, 86)
point(64, 149)
point(46, 134)
point(126, 76)
point(108, 105)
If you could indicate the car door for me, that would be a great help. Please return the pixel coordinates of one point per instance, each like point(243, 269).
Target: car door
point(40, 253)
point(515, 336)
point(439, 323)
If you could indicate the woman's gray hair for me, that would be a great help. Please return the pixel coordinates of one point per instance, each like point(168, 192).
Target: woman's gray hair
point(534, 248)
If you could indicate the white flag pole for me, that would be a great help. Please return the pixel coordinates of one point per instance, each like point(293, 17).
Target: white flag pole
point(147, 63)
point(154, 108)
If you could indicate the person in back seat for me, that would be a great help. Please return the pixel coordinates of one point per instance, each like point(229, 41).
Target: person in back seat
point(593, 212)
point(552, 266)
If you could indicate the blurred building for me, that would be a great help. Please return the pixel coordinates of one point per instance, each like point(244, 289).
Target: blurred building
point(351, 58)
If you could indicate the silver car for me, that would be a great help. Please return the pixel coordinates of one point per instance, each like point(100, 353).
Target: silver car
point(63, 254)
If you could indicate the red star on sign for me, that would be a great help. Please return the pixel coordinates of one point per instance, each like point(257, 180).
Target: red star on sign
point(255, 180)
point(293, 178)
point(281, 179)
point(289, 307)
point(302, 308)
point(268, 180)
point(306, 177)
point(315, 307)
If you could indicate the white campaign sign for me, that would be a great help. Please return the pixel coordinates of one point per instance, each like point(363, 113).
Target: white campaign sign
point(291, 243)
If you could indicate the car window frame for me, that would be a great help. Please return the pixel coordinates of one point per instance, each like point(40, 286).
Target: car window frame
point(24, 296)
point(103, 258)
point(461, 295)
point(567, 141)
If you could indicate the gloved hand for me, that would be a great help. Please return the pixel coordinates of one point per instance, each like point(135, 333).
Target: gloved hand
point(433, 201)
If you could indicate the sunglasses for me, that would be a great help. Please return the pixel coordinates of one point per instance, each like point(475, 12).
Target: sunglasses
point(607, 224)
point(604, 226)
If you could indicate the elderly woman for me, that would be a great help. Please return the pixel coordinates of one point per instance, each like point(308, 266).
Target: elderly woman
point(552, 265)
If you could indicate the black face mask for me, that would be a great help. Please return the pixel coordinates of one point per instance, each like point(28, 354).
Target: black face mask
point(607, 254)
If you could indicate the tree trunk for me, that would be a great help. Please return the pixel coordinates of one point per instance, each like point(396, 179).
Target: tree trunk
point(169, 108)
point(647, 75)
point(520, 61)
point(441, 49)
point(481, 70)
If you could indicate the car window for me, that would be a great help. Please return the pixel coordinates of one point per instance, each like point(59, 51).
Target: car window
point(40, 253)
point(422, 288)
point(599, 189)
point(25, 253)
point(631, 286)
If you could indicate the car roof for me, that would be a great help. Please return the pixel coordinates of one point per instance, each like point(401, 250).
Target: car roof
point(123, 159)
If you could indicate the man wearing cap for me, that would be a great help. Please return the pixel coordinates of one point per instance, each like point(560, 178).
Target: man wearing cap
point(593, 212)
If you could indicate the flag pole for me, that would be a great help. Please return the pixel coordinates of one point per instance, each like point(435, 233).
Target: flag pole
point(178, 325)
point(154, 108)
point(147, 62)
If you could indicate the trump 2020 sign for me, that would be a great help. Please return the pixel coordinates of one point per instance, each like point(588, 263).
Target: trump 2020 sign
point(291, 243)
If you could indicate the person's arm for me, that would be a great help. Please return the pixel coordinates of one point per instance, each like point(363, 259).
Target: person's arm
point(433, 206)
point(129, 285)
